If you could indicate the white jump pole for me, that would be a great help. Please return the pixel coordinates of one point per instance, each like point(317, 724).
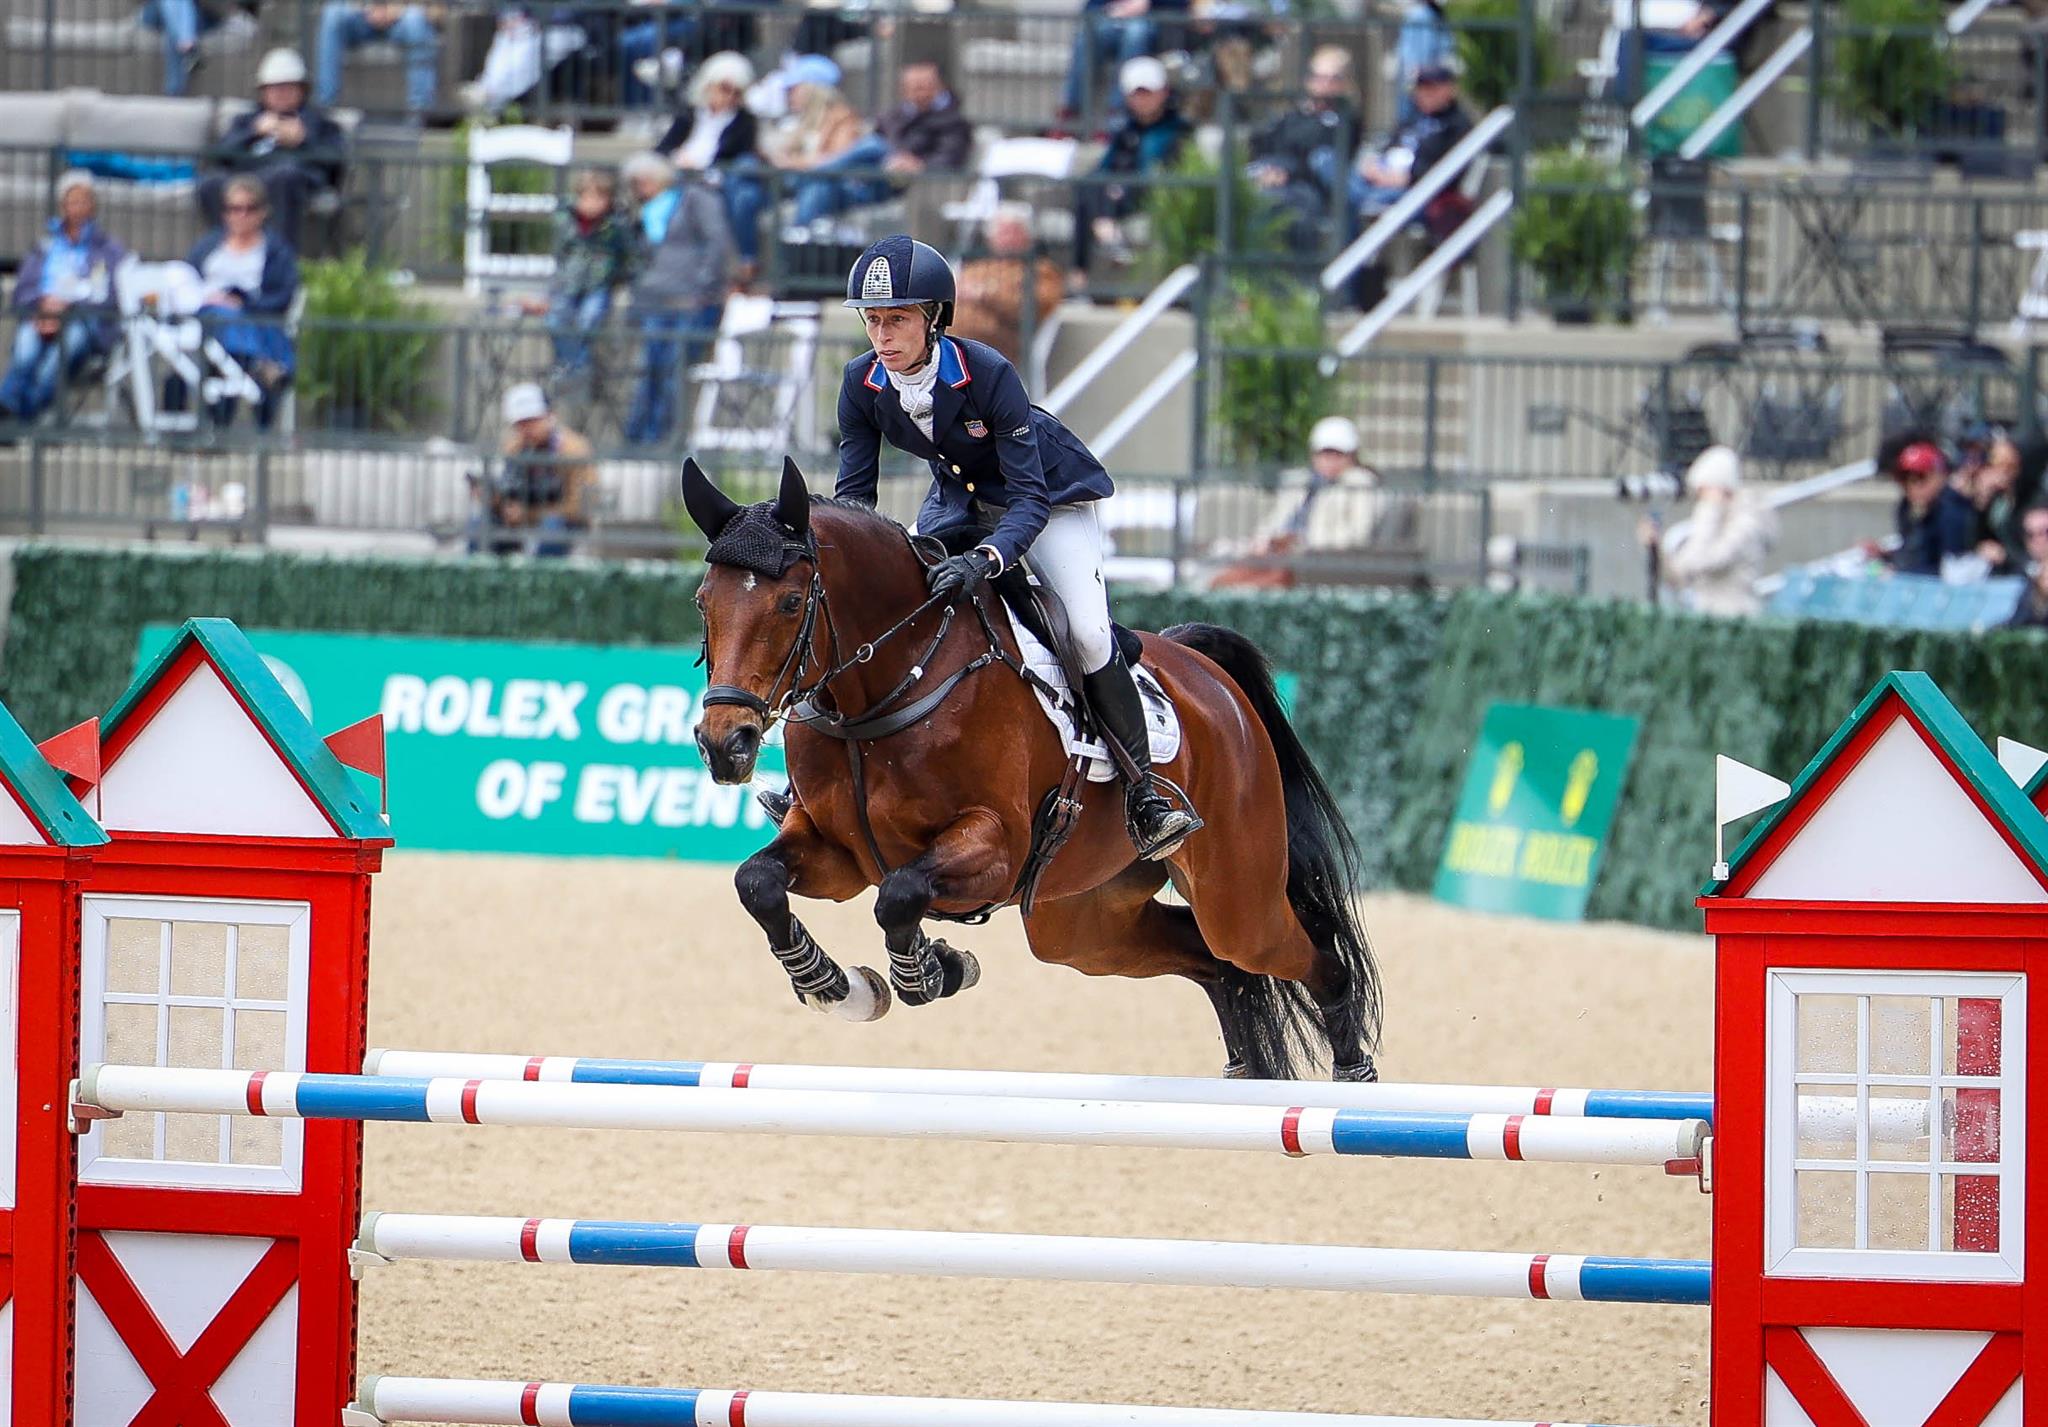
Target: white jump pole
point(558, 1404)
point(1052, 1085)
point(1048, 1257)
point(1673, 1145)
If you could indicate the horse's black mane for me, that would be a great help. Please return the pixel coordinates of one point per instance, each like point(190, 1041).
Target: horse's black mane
point(861, 508)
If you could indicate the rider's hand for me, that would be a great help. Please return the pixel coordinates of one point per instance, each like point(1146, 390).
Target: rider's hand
point(960, 574)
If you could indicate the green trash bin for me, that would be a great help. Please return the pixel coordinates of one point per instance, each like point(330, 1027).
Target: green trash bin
point(1709, 89)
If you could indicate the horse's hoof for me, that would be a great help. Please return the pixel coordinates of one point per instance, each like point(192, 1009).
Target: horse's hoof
point(866, 998)
point(1363, 1072)
point(962, 971)
point(1236, 1070)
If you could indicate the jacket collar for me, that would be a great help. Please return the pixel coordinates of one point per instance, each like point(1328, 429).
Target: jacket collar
point(953, 370)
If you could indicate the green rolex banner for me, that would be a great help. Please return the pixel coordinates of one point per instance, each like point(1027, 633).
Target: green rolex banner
point(1539, 797)
point(561, 749)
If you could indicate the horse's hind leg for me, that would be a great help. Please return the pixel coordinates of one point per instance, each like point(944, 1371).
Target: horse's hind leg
point(1335, 991)
point(798, 859)
point(965, 864)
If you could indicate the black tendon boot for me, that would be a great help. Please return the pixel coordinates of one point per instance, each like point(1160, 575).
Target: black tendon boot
point(1156, 825)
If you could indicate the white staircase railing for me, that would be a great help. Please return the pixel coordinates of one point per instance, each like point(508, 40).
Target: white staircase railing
point(1408, 208)
point(1170, 290)
point(1698, 58)
point(1431, 268)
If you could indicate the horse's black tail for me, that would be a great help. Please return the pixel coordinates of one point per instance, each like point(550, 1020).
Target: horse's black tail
point(1276, 1022)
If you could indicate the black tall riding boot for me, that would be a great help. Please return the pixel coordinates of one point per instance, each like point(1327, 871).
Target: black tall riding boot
point(1156, 825)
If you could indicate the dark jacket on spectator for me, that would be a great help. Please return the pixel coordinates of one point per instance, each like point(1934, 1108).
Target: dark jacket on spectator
point(280, 271)
point(1311, 143)
point(1948, 528)
point(103, 255)
point(940, 135)
point(1136, 148)
point(1431, 136)
point(2032, 610)
point(325, 151)
point(737, 142)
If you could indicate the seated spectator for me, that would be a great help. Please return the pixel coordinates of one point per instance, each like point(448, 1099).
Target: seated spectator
point(718, 134)
point(522, 51)
point(1299, 158)
point(345, 26)
point(819, 124)
point(2002, 483)
point(1424, 42)
point(1147, 139)
point(1715, 559)
point(1934, 521)
point(1417, 146)
point(993, 289)
point(655, 54)
point(247, 270)
point(1335, 505)
point(1110, 35)
point(63, 298)
point(923, 130)
point(181, 22)
point(2033, 607)
point(595, 245)
point(296, 150)
point(680, 293)
point(544, 485)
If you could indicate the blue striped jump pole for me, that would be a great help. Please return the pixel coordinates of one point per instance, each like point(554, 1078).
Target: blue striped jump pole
point(1049, 1257)
point(1673, 1145)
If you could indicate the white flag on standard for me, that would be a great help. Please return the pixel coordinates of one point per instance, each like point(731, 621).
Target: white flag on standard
point(1740, 790)
point(2021, 760)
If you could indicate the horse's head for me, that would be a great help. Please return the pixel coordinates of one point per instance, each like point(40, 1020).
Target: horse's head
point(760, 603)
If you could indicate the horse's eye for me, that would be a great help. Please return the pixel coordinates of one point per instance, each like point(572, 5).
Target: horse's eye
point(792, 602)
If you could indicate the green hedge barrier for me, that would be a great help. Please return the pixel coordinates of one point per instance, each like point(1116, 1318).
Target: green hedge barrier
point(1389, 693)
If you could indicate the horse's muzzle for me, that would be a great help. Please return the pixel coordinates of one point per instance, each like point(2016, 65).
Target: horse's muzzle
point(731, 759)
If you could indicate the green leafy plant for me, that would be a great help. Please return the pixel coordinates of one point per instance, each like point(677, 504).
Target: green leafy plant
point(1489, 39)
point(1891, 70)
point(1272, 387)
point(366, 351)
point(1184, 217)
point(1575, 226)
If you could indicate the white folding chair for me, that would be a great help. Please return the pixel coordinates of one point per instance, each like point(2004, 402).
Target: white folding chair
point(742, 406)
point(488, 147)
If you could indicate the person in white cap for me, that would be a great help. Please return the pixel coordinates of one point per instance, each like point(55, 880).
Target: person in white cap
point(545, 482)
point(295, 148)
point(1715, 557)
point(63, 299)
point(1147, 139)
point(1111, 34)
point(1335, 507)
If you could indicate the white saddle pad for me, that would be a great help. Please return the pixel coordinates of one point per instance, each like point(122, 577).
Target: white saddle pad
point(1162, 719)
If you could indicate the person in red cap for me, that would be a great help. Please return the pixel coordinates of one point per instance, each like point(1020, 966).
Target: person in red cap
point(1934, 520)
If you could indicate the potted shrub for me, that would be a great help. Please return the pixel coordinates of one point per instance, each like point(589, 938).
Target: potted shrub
point(366, 351)
point(1575, 228)
point(1489, 37)
point(1272, 387)
point(1891, 70)
point(1181, 219)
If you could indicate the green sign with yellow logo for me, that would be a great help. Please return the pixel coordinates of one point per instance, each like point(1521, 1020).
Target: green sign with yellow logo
point(1539, 796)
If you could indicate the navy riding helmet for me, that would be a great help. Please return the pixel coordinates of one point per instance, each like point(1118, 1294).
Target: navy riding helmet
point(899, 271)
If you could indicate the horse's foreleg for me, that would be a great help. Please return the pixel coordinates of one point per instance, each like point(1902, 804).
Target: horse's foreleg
point(798, 860)
point(966, 863)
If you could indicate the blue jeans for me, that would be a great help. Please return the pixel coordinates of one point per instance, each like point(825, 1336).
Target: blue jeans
point(820, 195)
point(182, 23)
point(745, 196)
point(482, 536)
point(571, 320)
point(671, 338)
point(1105, 44)
point(344, 27)
point(1370, 199)
point(645, 40)
point(32, 375)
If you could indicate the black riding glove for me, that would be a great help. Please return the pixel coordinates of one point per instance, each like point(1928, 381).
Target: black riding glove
point(960, 574)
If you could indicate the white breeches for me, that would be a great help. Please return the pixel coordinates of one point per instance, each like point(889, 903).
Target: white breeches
point(1068, 556)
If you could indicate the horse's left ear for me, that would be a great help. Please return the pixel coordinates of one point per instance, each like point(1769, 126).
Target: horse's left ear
point(793, 504)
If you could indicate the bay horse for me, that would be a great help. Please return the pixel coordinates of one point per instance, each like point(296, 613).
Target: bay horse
point(919, 764)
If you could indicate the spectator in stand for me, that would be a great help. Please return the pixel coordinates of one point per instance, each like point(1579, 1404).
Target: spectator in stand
point(248, 270)
point(2001, 485)
point(1424, 42)
point(1716, 556)
point(680, 293)
point(181, 22)
point(717, 134)
point(819, 125)
point(923, 130)
point(544, 486)
point(1935, 522)
point(345, 26)
point(63, 298)
point(1335, 505)
point(1299, 158)
point(1417, 146)
point(1146, 139)
point(2033, 607)
point(1110, 35)
point(296, 150)
point(595, 246)
point(993, 289)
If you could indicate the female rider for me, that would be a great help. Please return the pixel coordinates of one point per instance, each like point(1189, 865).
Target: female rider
point(996, 461)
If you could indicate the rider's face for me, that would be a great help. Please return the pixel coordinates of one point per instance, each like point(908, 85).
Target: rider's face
point(898, 335)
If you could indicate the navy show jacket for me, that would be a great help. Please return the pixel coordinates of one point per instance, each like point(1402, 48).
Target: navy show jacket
point(989, 444)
